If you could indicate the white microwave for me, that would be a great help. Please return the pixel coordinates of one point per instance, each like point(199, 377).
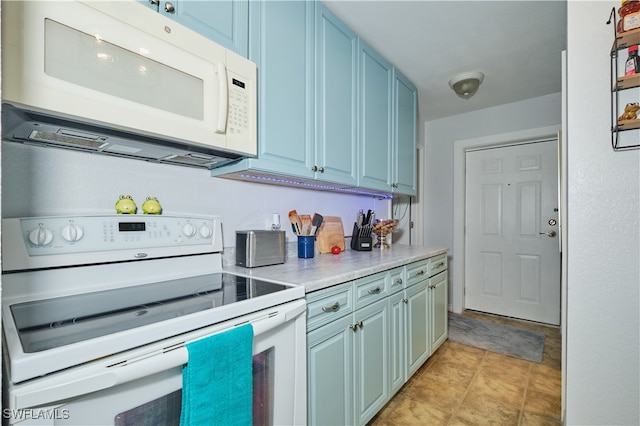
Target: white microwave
point(118, 78)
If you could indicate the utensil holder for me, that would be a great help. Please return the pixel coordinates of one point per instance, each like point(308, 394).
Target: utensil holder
point(306, 246)
point(359, 240)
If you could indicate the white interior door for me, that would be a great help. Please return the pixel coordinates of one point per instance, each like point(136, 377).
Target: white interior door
point(512, 260)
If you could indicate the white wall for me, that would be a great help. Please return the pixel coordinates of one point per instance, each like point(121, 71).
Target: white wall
point(437, 190)
point(48, 181)
point(603, 315)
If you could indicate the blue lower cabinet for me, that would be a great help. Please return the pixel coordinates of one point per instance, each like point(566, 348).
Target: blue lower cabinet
point(438, 309)
point(330, 374)
point(348, 363)
point(367, 337)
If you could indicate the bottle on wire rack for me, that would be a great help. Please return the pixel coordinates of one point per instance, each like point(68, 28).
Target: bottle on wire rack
point(632, 66)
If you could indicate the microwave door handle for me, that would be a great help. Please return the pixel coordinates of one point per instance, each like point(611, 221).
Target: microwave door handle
point(223, 99)
point(44, 393)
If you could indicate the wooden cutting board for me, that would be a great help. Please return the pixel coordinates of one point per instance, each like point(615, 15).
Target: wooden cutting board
point(331, 233)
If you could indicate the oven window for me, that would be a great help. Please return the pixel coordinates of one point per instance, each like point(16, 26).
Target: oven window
point(166, 410)
point(263, 387)
point(162, 411)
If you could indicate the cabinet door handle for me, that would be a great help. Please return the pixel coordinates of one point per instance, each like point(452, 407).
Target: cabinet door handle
point(355, 326)
point(374, 290)
point(169, 8)
point(154, 2)
point(405, 301)
point(331, 308)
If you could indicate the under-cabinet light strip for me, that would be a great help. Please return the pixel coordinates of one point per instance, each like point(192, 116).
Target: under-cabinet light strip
point(317, 186)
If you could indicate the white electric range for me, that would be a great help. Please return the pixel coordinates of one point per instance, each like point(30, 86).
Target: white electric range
point(94, 307)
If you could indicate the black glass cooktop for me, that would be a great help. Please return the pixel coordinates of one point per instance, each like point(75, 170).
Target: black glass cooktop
point(51, 323)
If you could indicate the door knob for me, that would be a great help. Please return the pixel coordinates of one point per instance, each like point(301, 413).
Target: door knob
point(549, 234)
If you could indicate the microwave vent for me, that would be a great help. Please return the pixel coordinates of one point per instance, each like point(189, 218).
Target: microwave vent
point(67, 139)
point(47, 129)
point(196, 160)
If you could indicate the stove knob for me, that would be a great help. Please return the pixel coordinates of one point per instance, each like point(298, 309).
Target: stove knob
point(72, 233)
point(41, 236)
point(205, 232)
point(189, 230)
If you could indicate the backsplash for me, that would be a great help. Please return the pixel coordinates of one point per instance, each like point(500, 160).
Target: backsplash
point(44, 181)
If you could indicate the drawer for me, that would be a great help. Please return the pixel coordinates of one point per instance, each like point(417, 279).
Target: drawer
point(326, 305)
point(437, 264)
point(370, 289)
point(417, 271)
point(396, 280)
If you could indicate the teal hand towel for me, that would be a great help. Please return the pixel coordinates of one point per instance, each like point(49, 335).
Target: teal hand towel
point(217, 387)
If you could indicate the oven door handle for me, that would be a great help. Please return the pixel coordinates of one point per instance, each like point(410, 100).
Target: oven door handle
point(83, 381)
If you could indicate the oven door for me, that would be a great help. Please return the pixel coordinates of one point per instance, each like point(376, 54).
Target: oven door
point(143, 386)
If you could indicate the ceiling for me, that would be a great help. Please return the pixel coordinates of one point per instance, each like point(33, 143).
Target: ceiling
point(517, 45)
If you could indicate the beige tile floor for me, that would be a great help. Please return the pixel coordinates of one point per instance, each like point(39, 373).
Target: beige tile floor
point(463, 385)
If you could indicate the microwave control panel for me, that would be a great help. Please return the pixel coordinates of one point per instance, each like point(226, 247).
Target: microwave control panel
point(238, 122)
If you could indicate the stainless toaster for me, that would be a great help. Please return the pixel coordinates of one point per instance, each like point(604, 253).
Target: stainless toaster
point(259, 248)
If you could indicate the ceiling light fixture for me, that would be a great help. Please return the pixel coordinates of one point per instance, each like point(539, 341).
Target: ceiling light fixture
point(465, 84)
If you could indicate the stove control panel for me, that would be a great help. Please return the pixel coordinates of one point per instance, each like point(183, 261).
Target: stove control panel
point(110, 237)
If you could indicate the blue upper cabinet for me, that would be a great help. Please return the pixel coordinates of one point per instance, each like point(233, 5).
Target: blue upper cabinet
point(152, 4)
point(375, 136)
point(281, 44)
point(330, 109)
point(224, 21)
point(405, 168)
point(336, 99)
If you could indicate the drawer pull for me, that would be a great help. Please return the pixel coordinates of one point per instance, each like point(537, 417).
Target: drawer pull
point(399, 281)
point(331, 308)
point(439, 265)
point(374, 290)
point(420, 272)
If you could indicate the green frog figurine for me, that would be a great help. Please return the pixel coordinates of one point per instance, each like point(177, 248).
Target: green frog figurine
point(151, 206)
point(126, 205)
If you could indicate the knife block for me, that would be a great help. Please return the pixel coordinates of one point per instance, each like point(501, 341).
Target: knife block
point(359, 242)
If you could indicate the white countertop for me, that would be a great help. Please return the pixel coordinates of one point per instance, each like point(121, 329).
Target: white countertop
point(325, 270)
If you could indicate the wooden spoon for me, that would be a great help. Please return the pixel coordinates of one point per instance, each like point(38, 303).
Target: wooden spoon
point(295, 221)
